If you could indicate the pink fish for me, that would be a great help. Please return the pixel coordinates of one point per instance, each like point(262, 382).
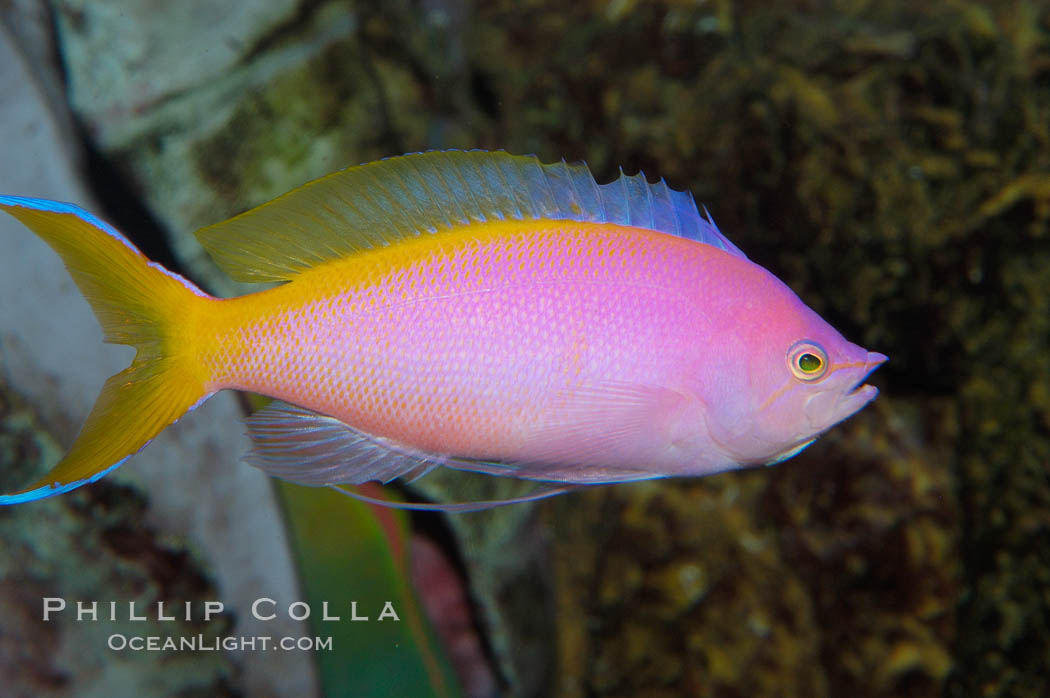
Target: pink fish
point(472, 310)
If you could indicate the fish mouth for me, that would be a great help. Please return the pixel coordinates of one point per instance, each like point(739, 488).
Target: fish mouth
point(847, 394)
point(862, 389)
point(861, 393)
point(837, 403)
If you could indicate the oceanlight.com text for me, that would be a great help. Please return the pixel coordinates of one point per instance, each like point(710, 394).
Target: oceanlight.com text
point(120, 642)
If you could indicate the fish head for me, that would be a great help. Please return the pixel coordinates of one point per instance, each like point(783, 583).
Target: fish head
point(792, 377)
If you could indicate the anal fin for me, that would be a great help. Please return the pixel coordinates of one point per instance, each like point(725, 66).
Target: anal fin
point(309, 448)
point(300, 445)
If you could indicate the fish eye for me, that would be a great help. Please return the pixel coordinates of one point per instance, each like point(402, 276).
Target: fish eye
point(808, 361)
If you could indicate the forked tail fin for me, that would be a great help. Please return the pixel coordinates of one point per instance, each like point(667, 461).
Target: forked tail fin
point(137, 303)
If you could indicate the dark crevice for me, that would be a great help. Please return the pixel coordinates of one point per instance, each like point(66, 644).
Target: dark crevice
point(484, 94)
point(290, 29)
point(434, 527)
point(121, 205)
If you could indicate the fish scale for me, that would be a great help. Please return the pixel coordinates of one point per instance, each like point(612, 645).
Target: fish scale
point(471, 310)
point(406, 329)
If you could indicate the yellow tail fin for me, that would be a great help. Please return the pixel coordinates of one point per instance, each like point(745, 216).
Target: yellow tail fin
point(137, 303)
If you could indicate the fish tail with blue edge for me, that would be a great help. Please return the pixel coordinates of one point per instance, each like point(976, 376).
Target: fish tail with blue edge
point(137, 303)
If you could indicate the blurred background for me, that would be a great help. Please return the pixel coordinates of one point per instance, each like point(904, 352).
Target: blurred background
point(887, 159)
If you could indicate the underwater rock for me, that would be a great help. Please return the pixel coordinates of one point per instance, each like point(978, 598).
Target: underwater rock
point(336, 87)
point(711, 607)
point(126, 59)
point(887, 161)
point(873, 530)
point(833, 575)
point(94, 545)
point(303, 94)
point(51, 352)
point(506, 557)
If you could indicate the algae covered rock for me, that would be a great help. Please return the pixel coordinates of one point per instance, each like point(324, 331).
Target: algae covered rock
point(94, 547)
point(51, 353)
point(832, 576)
point(887, 160)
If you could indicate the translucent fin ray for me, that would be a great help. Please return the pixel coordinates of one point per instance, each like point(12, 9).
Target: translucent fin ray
point(299, 445)
point(383, 202)
point(543, 492)
point(303, 446)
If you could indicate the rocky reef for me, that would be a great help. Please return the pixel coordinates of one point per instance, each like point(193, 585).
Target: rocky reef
point(888, 160)
point(94, 547)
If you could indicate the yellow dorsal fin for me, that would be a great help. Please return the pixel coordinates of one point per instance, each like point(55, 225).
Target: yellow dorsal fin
point(382, 203)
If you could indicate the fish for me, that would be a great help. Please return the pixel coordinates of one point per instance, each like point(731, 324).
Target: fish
point(472, 310)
